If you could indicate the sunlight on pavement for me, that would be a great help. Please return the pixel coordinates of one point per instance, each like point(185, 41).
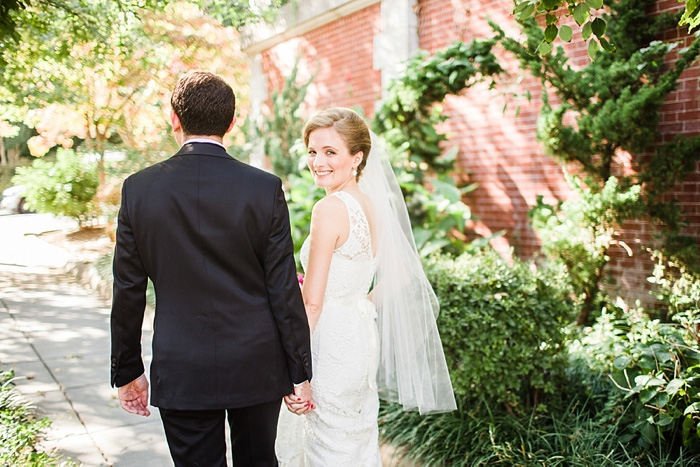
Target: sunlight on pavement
point(20, 245)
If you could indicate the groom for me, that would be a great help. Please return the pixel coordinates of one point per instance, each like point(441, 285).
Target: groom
point(230, 332)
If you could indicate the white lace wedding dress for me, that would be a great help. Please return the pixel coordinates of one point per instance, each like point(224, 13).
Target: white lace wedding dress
point(342, 430)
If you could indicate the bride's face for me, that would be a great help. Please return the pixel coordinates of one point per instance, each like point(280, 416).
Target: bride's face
point(330, 160)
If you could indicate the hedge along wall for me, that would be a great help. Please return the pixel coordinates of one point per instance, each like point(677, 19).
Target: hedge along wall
point(498, 148)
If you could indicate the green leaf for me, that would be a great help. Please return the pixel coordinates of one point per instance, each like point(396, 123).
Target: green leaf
point(674, 386)
point(544, 48)
point(446, 189)
point(525, 12)
point(621, 362)
point(641, 380)
point(598, 26)
point(606, 45)
point(550, 33)
point(664, 419)
point(692, 408)
point(595, 4)
point(586, 31)
point(565, 33)
point(581, 13)
point(662, 399)
point(550, 5)
point(648, 433)
point(593, 49)
point(550, 19)
point(691, 15)
point(647, 394)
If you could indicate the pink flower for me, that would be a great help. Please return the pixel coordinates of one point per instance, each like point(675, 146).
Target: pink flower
point(300, 278)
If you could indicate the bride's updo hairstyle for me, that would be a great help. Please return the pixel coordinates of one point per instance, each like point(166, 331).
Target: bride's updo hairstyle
point(349, 125)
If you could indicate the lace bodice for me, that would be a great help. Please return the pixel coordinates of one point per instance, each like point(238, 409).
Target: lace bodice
point(353, 263)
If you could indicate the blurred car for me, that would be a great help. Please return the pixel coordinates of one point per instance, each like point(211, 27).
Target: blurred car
point(13, 199)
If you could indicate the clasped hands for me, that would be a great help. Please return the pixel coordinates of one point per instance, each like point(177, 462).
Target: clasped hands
point(299, 402)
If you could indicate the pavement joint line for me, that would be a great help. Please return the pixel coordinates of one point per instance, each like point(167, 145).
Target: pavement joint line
point(55, 380)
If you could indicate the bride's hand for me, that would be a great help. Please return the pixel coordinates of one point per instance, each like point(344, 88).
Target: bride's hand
point(298, 407)
point(300, 401)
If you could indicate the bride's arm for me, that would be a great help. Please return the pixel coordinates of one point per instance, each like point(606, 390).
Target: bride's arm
point(327, 223)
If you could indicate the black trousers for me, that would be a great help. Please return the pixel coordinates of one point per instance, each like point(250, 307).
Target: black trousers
point(196, 438)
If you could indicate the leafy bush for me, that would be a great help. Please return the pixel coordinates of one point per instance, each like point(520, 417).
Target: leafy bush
point(678, 288)
point(580, 232)
point(8, 171)
point(654, 368)
point(19, 430)
point(502, 327)
point(65, 187)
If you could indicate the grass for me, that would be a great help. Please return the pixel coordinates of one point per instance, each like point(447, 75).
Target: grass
point(476, 436)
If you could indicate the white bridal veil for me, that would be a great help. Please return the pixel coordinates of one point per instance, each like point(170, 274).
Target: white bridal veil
point(412, 367)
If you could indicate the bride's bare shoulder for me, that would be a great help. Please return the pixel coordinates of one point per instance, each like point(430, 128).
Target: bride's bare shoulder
point(329, 207)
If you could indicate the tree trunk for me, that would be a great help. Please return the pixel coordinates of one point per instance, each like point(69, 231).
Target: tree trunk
point(13, 155)
point(591, 293)
point(3, 153)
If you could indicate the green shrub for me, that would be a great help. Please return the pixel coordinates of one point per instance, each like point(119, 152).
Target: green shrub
point(653, 364)
point(65, 187)
point(502, 327)
point(8, 171)
point(19, 430)
point(581, 231)
point(654, 368)
point(678, 289)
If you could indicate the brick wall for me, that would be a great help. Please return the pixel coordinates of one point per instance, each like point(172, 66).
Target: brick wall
point(341, 55)
point(495, 129)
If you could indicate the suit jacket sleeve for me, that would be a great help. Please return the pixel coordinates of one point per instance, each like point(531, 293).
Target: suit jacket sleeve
point(284, 292)
point(128, 303)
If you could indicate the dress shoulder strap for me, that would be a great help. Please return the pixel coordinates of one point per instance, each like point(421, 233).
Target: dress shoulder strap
point(359, 226)
point(350, 202)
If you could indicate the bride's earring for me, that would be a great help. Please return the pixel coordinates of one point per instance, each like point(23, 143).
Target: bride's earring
point(354, 173)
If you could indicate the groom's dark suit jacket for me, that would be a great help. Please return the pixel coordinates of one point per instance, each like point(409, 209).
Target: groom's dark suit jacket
point(213, 234)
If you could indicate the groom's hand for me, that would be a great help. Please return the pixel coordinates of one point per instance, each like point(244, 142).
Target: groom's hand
point(133, 396)
point(300, 401)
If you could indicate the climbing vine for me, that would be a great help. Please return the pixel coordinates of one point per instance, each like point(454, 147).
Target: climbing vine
point(408, 120)
point(408, 117)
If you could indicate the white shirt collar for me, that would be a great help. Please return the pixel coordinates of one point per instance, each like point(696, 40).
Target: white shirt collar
point(203, 140)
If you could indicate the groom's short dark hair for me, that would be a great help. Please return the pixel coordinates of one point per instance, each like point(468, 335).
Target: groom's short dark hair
point(204, 103)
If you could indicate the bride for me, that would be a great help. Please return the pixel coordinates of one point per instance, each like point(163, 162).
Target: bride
point(370, 307)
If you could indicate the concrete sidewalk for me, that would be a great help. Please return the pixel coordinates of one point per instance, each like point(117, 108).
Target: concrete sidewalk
point(54, 333)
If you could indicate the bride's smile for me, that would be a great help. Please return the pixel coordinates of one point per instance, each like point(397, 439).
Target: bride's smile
point(330, 160)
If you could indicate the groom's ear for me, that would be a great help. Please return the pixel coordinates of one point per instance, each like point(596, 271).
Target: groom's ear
point(175, 121)
point(230, 127)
